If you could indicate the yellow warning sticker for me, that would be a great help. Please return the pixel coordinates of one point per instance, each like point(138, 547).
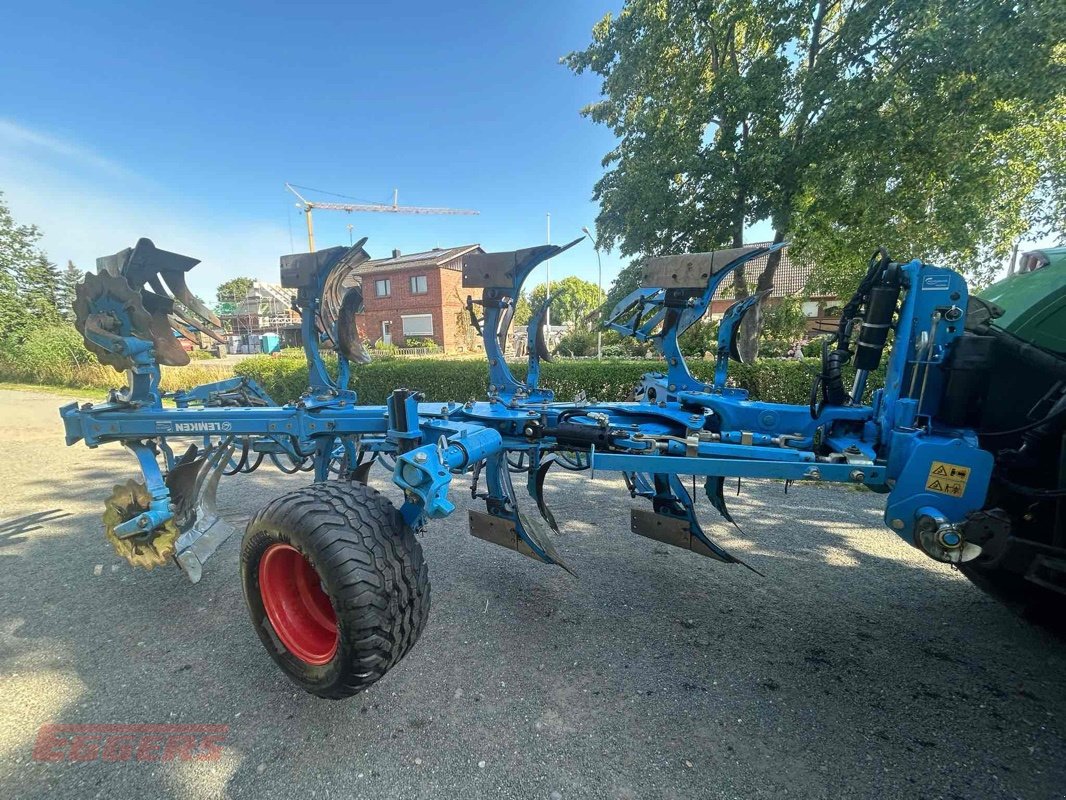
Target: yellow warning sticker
point(947, 478)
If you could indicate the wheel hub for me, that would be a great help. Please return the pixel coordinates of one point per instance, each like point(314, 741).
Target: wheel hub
point(298, 608)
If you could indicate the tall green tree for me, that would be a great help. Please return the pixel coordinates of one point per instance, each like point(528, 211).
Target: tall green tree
point(522, 309)
point(931, 126)
point(39, 288)
point(29, 282)
point(576, 301)
point(68, 284)
point(12, 318)
point(233, 290)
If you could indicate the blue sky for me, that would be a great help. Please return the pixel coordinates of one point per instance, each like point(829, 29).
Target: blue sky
point(182, 122)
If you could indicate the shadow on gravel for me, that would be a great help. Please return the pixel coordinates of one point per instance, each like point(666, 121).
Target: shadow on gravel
point(13, 529)
point(855, 667)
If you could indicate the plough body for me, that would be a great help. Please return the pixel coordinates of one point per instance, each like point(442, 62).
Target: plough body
point(929, 464)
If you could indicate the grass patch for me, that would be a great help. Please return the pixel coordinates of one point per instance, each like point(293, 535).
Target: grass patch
point(102, 377)
point(59, 391)
point(55, 355)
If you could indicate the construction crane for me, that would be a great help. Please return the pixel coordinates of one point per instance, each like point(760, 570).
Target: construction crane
point(308, 205)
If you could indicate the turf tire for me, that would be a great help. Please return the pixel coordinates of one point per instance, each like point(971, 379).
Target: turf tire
point(371, 568)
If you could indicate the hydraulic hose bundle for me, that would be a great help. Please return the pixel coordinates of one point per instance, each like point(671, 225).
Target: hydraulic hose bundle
point(873, 305)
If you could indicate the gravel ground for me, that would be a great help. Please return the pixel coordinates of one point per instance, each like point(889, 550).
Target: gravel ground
point(855, 668)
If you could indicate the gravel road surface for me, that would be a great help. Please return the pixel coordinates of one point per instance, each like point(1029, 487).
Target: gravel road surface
point(855, 668)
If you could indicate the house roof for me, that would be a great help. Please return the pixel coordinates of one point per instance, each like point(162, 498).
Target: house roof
point(790, 279)
point(437, 257)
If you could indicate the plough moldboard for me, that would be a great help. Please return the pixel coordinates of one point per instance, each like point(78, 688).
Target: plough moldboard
point(301, 564)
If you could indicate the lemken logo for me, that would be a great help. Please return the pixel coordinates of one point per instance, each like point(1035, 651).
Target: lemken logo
point(202, 427)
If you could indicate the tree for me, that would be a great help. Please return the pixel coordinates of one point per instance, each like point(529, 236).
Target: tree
point(28, 280)
point(785, 320)
point(625, 282)
point(38, 283)
point(975, 190)
point(522, 310)
point(234, 290)
point(12, 317)
point(576, 303)
point(699, 339)
point(68, 283)
point(912, 123)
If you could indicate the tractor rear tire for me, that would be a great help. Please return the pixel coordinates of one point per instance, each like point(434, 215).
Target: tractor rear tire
point(1030, 601)
point(336, 586)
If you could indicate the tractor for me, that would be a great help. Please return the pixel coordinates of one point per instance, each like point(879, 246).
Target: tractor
point(965, 439)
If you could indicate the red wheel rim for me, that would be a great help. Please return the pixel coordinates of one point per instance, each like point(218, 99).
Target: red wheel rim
point(296, 605)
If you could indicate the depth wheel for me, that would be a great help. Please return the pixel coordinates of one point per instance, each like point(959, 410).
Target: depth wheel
point(336, 586)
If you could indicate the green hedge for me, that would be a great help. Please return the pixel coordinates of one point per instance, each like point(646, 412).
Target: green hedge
point(776, 380)
point(56, 355)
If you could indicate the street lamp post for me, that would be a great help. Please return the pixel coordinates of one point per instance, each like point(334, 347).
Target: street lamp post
point(599, 285)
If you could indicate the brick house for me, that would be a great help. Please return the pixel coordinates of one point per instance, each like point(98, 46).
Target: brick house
point(790, 280)
point(418, 295)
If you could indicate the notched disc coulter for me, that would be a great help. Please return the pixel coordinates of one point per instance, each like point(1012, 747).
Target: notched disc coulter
point(149, 549)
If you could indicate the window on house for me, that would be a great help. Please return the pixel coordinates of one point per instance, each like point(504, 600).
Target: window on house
point(419, 284)
point(417, 324)
point(384, 287)
point(810, 308)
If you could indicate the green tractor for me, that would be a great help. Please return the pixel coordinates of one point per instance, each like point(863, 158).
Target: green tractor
point(1014, 362)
